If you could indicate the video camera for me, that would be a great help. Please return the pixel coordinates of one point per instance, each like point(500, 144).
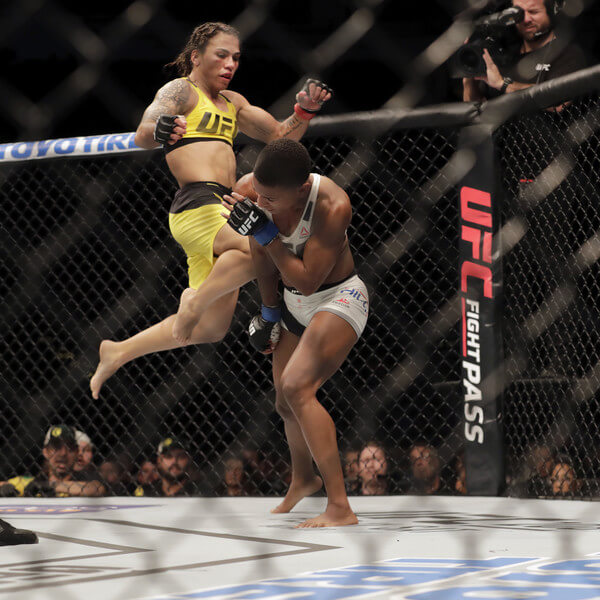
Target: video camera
point(494, 32)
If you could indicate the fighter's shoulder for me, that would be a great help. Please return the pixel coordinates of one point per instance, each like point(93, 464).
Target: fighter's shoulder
point(177, 91)
point(333, 204)
point(235, 98)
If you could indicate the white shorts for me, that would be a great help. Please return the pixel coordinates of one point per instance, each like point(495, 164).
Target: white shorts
point(347, 299)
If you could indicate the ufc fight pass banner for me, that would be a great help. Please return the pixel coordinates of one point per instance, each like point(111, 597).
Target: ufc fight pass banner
point(481, 326)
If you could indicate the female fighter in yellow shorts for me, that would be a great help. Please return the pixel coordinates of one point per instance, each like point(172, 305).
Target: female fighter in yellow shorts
point(196, 118)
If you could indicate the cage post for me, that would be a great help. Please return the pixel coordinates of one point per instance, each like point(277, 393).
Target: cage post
point(480, 281)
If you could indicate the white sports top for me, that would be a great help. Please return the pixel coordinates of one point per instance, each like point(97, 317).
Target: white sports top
point(298, 238)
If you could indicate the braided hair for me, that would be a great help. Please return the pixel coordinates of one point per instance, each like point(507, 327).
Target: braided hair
point(198, 40)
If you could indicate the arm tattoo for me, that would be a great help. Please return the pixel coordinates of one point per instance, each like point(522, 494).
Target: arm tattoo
point(171, 99)
point(291, 124)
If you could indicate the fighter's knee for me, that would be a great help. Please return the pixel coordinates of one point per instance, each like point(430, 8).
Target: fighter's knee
point(217, 336)
point(282, 407)
point(295, 390)
point(208, 336)
point(244, 187)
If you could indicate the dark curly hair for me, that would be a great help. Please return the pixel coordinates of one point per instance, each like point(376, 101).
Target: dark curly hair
point(198, 41)
point(284, 163)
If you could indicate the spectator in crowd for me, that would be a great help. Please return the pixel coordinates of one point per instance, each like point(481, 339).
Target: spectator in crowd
point(540, 463)
point(58, 478)
point(235, 480)
point(147, 473)
point(373, 470)
point(174, 465)
point(261, 471)
point(85, 457)
point(543, 53)
point(460, 485)
point(529, 474)
point(351, 465)
point(425, 470)
point(115, 474)
point(563, 480)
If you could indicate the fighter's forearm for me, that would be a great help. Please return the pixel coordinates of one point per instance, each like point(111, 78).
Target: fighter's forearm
point(291, 267)
point(516, 86)
point(144, 136)
point(292, 128)
point(267, 275)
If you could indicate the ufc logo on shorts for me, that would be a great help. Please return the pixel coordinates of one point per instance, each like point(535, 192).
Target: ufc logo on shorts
point(247, 224)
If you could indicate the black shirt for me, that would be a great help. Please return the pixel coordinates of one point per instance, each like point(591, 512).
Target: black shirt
point(154, 490)
point(555, 59)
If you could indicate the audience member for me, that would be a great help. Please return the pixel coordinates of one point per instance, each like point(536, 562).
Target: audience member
point(261, 471)
point(563, 480)
point(425, 471)
point(115, 474)
point(539, 465)
point(147, 473)
point(460, 485)
point(235, 481)
point(58, 478)
point(85, 457)
point(373, 470)
point(174, 466)
point(351, 467)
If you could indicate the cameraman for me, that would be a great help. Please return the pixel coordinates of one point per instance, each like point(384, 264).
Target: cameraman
point(542, 55)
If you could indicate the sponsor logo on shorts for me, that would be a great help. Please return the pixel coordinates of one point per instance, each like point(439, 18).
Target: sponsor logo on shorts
point(342, 301)
point(357, 295)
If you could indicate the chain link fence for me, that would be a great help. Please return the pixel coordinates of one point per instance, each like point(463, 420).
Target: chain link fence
point(87, 255)
point(551, 182)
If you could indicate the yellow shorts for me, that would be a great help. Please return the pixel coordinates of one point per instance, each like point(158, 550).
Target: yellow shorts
point(194, 220)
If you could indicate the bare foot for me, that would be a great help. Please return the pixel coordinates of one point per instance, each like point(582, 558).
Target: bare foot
point(297, 492)
point(187, 317)
point(334, 516)
point(110, 361)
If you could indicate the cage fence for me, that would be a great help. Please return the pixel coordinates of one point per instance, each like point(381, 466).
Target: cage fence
point(551, 186)
point(87, 255)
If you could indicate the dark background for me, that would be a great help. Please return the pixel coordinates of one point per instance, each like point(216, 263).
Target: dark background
point(74, 68)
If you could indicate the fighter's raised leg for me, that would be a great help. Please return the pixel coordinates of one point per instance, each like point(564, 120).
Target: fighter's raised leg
point(212, 327)
point(232, 269)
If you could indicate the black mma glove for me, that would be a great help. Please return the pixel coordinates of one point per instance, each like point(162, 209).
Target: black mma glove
point(164, 128)
point(304, 100)
point(264, 329)
point(248, 219)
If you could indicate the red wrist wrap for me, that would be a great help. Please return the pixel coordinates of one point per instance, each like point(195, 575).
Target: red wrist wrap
point(302, 114)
